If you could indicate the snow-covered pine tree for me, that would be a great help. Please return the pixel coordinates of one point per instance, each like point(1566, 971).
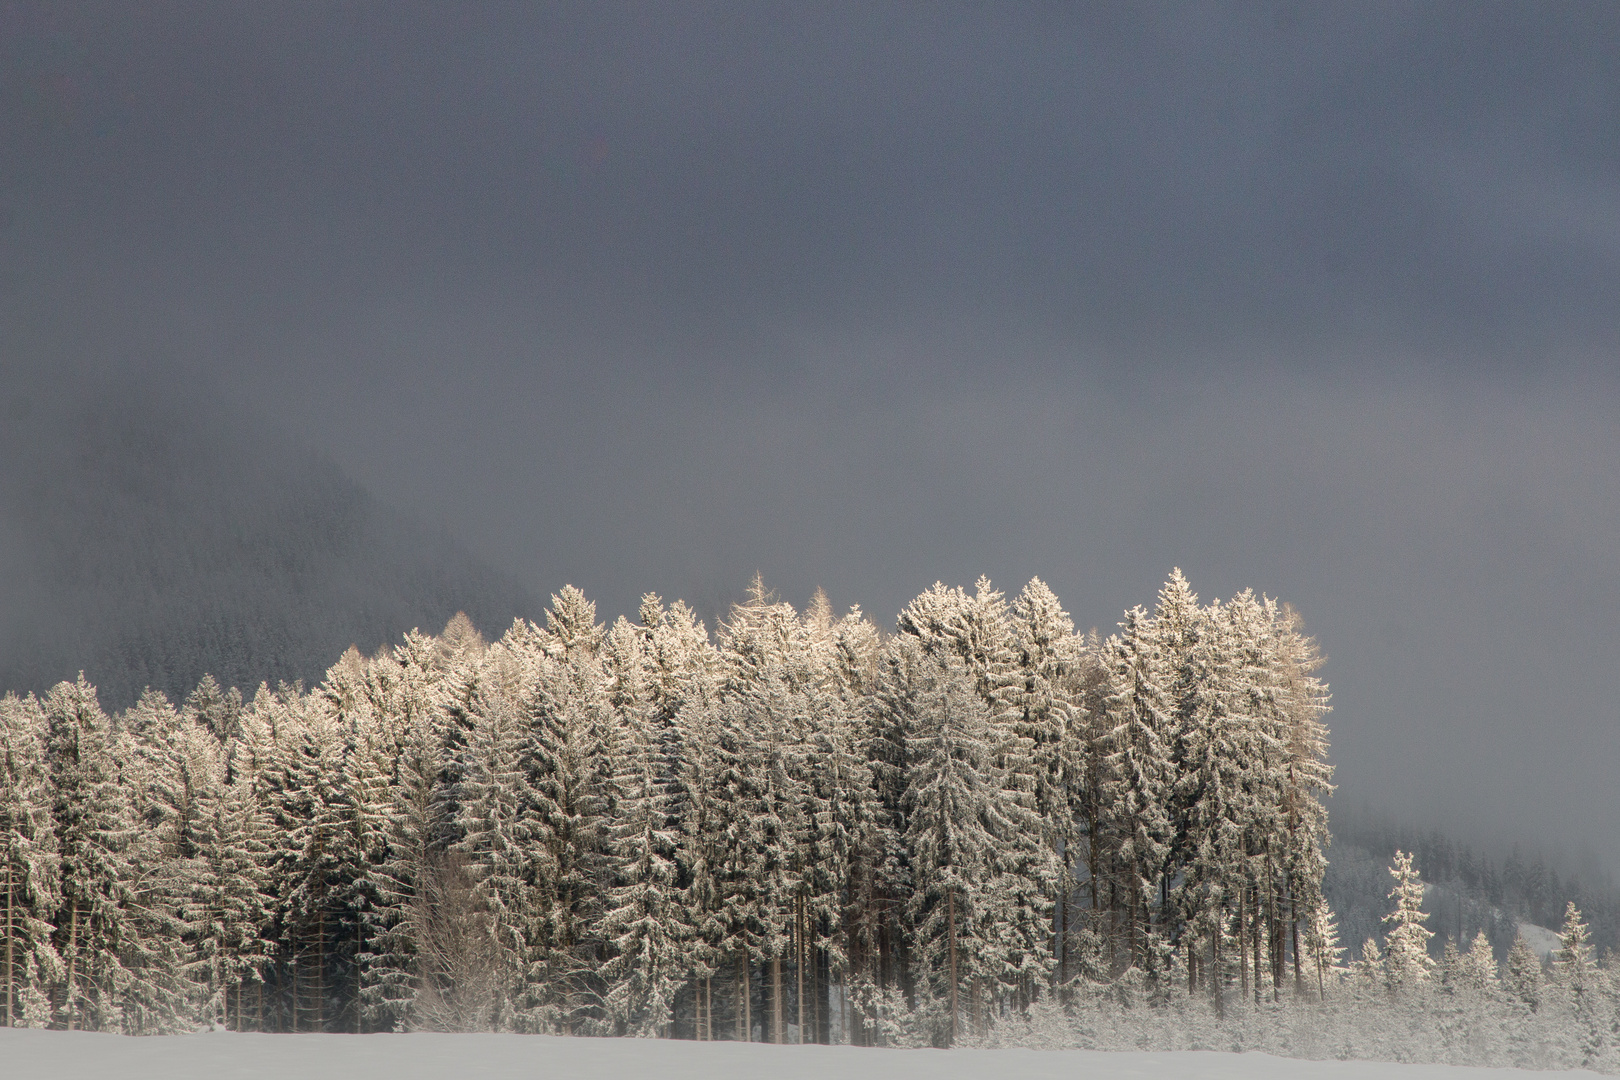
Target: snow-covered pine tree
point(457, 666)
point(859, 837)
point(1521, 975)
point(1322, 945)
point(1085, 955)
point(498, 828)
point(1576, 973)
point(1219, 801)
point(229, 906)
point(568, 718)
point(29, 866)
point(1301, 700)
point(1274, 814)
point(1039, 711)
point(766, 654)
point(953, 801)
point(1406, 961)
point(645, 923)
point(1479, 964)
point(843, 812)
point(446, 922)
point(883, 881)
point(736, 923)
point(1137, 786)
point(412, 957)
point(217, 711)
point(975, 634)
point(391, 733)
point(257, 758)
point(1369, 966)
point(1574, 962)
point(682, 676)
point(117, 955)
point(313, 862)
point(178, 763)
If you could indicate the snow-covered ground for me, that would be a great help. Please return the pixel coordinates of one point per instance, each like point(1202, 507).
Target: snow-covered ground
point(26, 1055)
point(1543, 941)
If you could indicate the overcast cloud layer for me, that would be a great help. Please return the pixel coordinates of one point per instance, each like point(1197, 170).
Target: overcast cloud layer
point(1319, 299)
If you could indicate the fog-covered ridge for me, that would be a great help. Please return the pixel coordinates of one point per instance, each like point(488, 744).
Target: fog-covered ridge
point(152, 536)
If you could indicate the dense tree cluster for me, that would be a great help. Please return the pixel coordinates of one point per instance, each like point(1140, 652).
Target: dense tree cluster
point(796, 829)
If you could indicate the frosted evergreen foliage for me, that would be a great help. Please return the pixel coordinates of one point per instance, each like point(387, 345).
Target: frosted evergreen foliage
point(1406, 959)
point(982, 829)
point(30, 867)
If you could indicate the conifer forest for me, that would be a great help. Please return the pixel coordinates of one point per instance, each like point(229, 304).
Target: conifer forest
point(795, 829)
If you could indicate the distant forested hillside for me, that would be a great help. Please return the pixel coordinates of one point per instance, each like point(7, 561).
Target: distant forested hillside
point(1468, 890)
point(149, 538)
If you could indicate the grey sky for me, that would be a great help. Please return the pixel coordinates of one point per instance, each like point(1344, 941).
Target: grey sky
point(1315, 298)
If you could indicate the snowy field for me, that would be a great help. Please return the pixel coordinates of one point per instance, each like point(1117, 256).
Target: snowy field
point(27, 1054)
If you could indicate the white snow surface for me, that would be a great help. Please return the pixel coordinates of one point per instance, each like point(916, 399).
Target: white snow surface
point(59, 1055)
point(1543, 941)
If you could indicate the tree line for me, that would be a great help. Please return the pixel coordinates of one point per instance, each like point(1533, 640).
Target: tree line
point(797, 828)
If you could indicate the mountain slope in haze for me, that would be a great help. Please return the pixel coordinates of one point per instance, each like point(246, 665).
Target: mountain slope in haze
point(1467, 889)
point(151, 537)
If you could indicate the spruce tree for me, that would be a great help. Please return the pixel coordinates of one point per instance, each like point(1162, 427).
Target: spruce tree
point(568, 719)
point(1521, 975)
point(114, 932)
point(1407, 961)
point(953, 801)
point(645, 923)
point(229, 905)
point(30, 867)
point(498, 828)
point(1138, 783)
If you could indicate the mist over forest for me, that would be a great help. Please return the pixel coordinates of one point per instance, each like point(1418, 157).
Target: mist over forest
point(152, 534)
point(156, 532)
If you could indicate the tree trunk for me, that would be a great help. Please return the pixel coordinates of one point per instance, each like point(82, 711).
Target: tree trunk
point(1293, 930)
point(73, 962)
point(359, 977)
point(776, 998)
point(950, 922)
point(11, 903)
point(799, 954)
point(1060, 929)
point(320, 974)
point(1255, 922)
point(1242, 943)
point(745, 1020)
